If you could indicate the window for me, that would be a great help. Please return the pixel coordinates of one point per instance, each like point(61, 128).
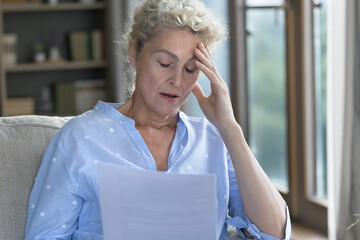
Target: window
point(279, 52)
point(319, 13)
point(266, 68)
point(277, 57)
point(315, 102)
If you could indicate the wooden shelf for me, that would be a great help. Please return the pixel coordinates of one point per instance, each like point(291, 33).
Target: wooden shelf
point(38, 67)
point(40, 22)
point(41, 7)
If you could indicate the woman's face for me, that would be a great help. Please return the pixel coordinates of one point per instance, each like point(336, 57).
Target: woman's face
point(165, 71)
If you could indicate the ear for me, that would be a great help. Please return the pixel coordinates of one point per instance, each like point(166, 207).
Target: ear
point(132, 55)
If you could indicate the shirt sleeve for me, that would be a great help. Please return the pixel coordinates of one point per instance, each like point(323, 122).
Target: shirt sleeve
point(55, 202)
point(237, 216)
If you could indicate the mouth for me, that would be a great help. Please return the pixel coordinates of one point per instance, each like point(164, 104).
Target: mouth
point(169, 97)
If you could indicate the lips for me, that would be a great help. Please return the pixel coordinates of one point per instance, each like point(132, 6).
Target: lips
point(170, 97)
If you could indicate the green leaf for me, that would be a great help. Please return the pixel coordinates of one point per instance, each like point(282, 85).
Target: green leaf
point(354, 222)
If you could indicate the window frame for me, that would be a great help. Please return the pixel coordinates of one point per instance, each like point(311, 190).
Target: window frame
point(310, 104)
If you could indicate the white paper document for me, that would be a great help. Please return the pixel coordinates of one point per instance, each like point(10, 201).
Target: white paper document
point(139, 204)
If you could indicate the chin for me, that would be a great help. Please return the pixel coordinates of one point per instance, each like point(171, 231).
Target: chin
point(168, 111)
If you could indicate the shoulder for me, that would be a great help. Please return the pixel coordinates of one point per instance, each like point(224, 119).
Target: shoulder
point(83, 124)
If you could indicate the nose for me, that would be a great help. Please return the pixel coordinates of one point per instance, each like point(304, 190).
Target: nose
point(176, 79)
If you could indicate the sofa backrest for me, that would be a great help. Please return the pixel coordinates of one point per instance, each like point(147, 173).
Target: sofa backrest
point(23, 140)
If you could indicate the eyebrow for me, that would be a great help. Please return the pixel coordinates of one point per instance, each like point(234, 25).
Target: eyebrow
point(173, 55)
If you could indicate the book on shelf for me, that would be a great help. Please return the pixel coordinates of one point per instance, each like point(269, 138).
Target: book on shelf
point(97, 45)
point(79, 96)
point(19, 106)
point(10, 48)
point(86, 45)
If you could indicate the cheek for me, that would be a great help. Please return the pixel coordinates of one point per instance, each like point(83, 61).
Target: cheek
point(147, 77)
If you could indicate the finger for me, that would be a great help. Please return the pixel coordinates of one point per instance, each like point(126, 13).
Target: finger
point(209, 53)
point(205, 57)
point(204, 51)
point(210, 74)
point(206, 64)
point(200, 55)
point(214, 77)
point(199, 93)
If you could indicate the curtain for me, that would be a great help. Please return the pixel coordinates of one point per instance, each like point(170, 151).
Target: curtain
point(344, 130)
point(351, 153)
point(119, 72)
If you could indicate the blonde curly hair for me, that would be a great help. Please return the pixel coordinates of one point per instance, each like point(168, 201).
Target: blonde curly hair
point(150, 16)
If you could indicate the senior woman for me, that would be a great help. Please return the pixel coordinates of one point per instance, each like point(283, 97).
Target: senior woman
point(168, 48)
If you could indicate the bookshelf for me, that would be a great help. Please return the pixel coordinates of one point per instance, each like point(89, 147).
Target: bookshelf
point(49, 25)
point(42, 7)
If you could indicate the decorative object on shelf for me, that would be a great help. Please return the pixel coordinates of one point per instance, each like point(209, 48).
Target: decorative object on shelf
point(78, 96)
point(97, 45)
point(19, 106)
point(86, 45)
point(88, 93)
point(10, 48)
point(52, 2)
point(54, 54)
point(46, 106)
point(87, 1)
point(54, 43)
point(39, 55)
point(79, 45)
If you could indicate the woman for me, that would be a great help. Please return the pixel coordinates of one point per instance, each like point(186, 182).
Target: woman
point(168, 49)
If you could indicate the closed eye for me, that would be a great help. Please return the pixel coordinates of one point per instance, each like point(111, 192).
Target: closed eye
point(190, 70)
point(164, 65)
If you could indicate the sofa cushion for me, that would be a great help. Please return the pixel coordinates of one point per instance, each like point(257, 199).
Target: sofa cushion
point(23, 140)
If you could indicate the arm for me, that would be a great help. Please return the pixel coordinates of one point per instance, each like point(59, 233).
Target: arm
point(54, 204)
point(261, 201)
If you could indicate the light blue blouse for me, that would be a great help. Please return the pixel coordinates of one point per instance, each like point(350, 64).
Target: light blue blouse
point(64, 203)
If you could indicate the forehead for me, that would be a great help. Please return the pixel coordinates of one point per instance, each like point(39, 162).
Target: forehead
point(180, 43)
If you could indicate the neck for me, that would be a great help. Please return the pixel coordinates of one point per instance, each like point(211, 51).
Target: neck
point(135, 108)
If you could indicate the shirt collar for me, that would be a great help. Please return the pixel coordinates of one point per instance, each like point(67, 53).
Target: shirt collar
point(110, 110)
point(182, 133)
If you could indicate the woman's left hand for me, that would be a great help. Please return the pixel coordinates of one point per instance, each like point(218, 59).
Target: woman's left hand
point(217, 106)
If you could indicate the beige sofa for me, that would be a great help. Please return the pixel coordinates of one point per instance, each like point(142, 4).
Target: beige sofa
point(23, 142)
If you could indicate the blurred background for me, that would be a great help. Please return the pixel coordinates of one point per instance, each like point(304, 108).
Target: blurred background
point(291, 66)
